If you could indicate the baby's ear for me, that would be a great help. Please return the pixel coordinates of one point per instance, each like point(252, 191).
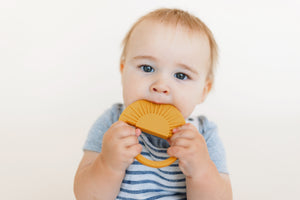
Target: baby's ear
point(206, 90)
point(121, 67)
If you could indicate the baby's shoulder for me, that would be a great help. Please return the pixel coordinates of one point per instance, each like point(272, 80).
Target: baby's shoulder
point(110, 115)
point(202, 123)
point(117, 108)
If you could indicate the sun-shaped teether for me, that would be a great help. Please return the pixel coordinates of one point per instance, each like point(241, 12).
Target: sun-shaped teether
point(156, 119)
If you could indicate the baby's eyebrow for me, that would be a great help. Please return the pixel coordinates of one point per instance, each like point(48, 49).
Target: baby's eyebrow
point(184, 66)
point(144, 57)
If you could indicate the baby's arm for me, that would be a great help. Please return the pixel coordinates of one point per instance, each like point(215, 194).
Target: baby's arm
point(99, 175)
point(95, 181)
point(203, 181)
point(212, 185)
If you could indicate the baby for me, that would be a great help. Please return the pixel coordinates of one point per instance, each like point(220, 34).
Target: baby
point(168, 57)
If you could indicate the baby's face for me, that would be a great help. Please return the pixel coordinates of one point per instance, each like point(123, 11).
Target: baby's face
point(166, 65)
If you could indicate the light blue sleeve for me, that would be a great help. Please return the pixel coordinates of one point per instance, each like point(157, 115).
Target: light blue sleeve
point(214, 144)
point(100, 126)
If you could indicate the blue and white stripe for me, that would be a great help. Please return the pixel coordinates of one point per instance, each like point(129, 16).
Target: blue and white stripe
point(142, 182)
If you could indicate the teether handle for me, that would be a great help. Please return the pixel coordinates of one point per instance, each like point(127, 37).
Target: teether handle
point(155, 164)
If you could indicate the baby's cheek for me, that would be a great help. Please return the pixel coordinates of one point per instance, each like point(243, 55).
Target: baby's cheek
point(131, 94)
point(186, 108)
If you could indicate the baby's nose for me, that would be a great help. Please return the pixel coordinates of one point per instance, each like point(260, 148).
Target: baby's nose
point(160, 87)
point(160, 90)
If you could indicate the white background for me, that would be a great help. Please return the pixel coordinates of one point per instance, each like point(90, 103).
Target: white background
point(59, 71)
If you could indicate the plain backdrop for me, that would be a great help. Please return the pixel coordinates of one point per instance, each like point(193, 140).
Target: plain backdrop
point(59, 64)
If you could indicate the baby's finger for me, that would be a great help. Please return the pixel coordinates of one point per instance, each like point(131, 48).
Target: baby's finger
point(135, 149)
point(182, 134)
point(181, 142)
point(129, 141)
point(187, 126)
point(176, 151)
point(138, 132)
point(118, 124)
point(122, 129)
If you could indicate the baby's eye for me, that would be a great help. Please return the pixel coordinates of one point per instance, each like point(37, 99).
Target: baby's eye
point(147, 68)
point(181, 76)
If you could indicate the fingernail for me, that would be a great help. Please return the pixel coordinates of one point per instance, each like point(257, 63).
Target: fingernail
point(138, 131)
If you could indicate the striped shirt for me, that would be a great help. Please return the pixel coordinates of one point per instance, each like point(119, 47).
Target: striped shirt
point(142, 182)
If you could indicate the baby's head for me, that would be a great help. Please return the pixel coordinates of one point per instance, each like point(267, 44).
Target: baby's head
point(169, 57)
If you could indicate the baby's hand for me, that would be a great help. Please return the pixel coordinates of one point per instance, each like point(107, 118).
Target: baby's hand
point(190, 148)
point(120, 146)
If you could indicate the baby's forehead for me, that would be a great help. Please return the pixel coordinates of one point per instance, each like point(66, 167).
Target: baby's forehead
point(165, 44)
point(167, 30)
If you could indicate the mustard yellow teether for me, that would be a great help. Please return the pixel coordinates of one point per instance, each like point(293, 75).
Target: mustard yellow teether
point(156, 119)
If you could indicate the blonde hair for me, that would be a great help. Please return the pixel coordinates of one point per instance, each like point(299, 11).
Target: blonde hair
point(177, 16)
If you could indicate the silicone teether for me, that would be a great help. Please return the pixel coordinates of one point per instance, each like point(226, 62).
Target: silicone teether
point(156, 119)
